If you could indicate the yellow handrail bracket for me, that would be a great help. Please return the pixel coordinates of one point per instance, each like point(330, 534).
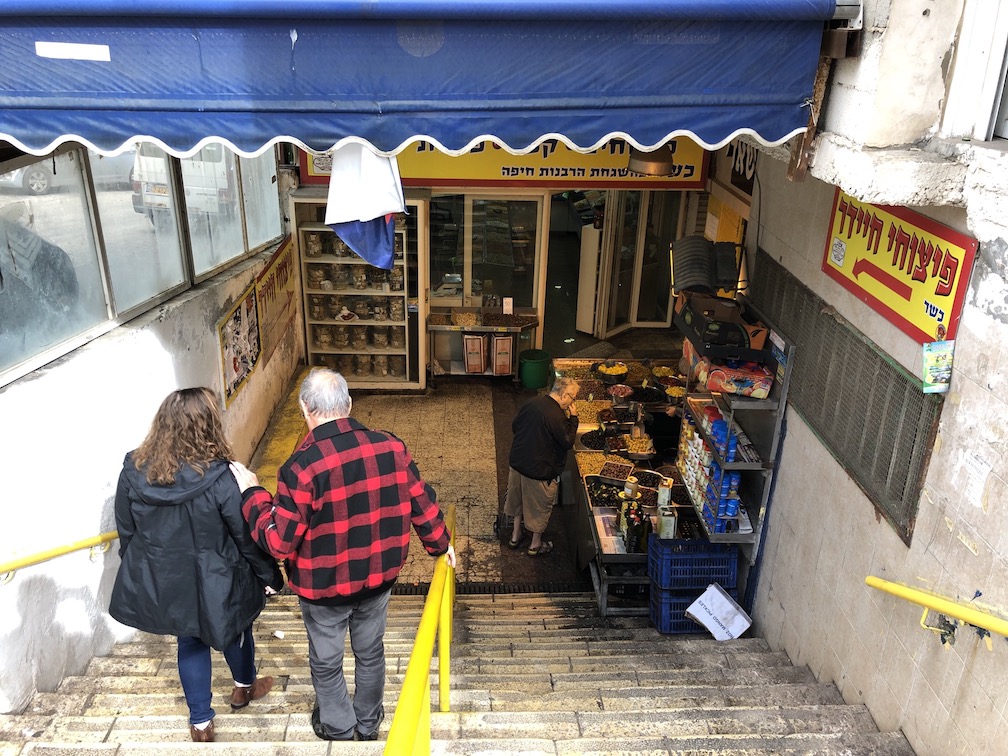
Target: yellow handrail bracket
point(985, 622)
point(97, 545)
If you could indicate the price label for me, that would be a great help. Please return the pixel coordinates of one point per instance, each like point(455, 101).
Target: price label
point(644, 383)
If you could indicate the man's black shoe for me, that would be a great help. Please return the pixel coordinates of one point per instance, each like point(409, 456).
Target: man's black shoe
point(320, 731)
point(374, 735)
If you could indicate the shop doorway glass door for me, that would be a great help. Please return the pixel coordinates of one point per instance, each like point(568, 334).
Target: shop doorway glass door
point(484, 248)
point(635, 275)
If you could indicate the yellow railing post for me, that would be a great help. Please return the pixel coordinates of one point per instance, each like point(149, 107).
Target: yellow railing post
point(411, 724)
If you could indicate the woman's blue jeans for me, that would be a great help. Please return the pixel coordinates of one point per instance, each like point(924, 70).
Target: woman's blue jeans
point(194, 671)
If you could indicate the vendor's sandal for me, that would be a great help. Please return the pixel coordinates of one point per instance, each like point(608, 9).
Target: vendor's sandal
point(519, 542)
point(544, 548)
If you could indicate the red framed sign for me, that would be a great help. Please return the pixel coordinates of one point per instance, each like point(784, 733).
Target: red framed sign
point(912, 270)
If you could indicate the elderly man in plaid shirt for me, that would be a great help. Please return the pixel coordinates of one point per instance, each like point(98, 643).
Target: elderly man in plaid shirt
point(340, 520)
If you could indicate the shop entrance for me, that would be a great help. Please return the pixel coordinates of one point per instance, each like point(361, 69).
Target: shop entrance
point(604, 281)
point(635, 269)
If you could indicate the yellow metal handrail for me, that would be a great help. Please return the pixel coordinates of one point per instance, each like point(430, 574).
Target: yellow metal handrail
point(411, 725)
point(954, 609)
point(7, 569)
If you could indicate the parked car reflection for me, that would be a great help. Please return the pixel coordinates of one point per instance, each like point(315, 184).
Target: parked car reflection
point(50, 174)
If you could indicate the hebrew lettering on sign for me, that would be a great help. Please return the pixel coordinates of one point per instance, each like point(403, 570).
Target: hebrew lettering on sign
point(909, 267)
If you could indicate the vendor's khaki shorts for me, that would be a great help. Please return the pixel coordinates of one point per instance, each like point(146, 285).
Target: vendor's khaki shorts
point(532, 499)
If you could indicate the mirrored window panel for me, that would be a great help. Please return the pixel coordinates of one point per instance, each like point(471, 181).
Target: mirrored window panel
point(141, 243)
point(50, 277)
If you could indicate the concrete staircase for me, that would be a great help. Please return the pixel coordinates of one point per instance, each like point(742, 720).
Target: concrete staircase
point(531, 674)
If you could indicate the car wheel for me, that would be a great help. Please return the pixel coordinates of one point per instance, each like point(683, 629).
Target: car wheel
point(37, 180)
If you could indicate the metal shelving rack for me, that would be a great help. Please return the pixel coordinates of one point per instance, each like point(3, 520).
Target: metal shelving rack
point(761, 421)
point(382, 348)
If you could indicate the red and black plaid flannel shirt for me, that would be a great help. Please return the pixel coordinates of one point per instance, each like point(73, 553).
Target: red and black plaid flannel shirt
point(342, 512)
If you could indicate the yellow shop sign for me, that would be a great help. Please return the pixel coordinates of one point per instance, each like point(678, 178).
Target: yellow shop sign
point(907, 267)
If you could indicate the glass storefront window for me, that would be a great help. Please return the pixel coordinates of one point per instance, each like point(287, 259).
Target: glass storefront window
point(50, 275)
point(261, 197)
point(144, 257)
point(656, 272)
point(483, 249)
point(59, 280)
point(621, 294)
point(210, 181)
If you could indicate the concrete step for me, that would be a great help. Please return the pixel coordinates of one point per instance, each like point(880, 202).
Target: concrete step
point(877, 744)
point(529, 680)
point(531, 673)
point(808, 729)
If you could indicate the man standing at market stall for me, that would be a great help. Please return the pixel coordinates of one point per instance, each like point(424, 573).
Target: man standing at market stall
point(340, 519)
point(544, 432)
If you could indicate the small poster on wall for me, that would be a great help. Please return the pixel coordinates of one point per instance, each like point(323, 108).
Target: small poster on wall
point(276, 297)
point(240, 346)
point(938, 366)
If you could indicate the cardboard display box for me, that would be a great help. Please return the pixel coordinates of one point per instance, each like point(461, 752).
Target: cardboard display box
point(719, 322)
point(502, 351)
point(475, 348)
point(743, 378)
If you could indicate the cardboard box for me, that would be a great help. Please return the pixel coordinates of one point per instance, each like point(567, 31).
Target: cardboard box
point(502, 350)
point(719, 322)
point(742, 378)
point(475, 348)
point(718, 612)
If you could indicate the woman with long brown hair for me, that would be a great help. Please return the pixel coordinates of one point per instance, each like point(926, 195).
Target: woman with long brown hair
point(189, 566)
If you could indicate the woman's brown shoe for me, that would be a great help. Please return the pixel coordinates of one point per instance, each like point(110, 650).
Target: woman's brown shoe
point(205, 735)
point(240, 697)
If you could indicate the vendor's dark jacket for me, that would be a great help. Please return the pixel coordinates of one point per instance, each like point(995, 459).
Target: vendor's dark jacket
point(189, 566)
point(543, 434)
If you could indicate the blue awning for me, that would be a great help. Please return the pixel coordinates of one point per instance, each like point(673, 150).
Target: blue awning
point(320, 73)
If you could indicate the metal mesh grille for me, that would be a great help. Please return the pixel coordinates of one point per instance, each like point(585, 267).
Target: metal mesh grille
point(868, 411)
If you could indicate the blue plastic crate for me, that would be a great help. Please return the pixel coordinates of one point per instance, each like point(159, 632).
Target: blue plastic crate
point(668, 609)
point(685, 564)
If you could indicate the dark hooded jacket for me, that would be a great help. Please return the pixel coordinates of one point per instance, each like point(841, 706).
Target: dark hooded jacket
point(189, 566)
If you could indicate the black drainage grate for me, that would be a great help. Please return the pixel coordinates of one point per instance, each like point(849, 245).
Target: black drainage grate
point(410, 589)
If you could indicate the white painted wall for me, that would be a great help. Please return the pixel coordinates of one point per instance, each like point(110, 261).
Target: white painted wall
point(812, 601)
point(894, 92)
point(66, 429)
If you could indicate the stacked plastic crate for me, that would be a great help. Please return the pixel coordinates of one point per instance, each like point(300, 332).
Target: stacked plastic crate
point(679, 571)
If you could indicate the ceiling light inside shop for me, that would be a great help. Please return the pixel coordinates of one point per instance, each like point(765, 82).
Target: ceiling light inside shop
point(657, 163)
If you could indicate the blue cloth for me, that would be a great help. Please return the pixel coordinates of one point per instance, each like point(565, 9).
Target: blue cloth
point(372, 240)
point(644, 72)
